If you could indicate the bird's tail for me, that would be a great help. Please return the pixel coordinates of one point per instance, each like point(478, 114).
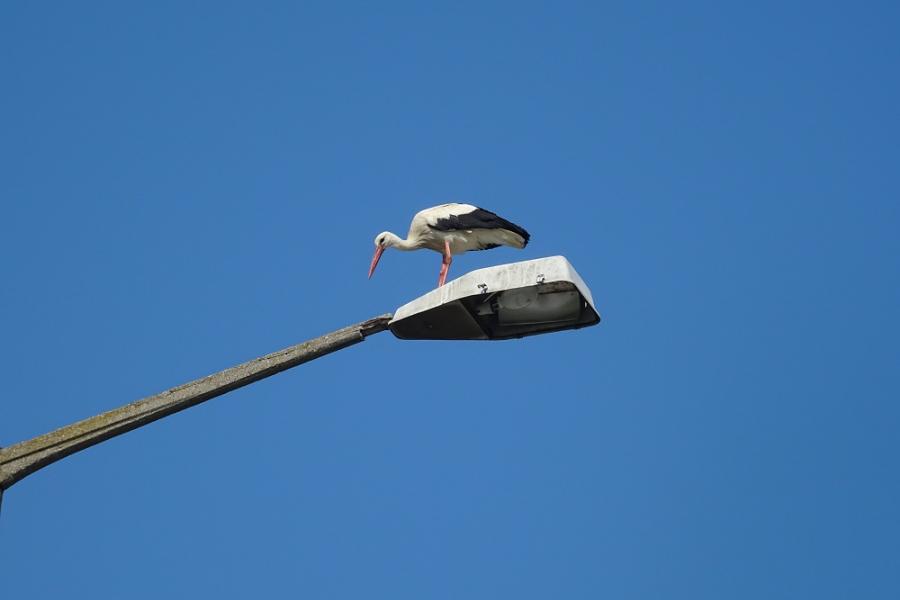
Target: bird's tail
point(514, 238)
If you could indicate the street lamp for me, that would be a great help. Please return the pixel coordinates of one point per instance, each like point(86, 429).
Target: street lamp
point(502, 302)
point(507, 301)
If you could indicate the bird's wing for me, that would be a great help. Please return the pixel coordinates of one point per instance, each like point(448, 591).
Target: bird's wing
point(425, 219)
point(456, 217)
point(431, 215)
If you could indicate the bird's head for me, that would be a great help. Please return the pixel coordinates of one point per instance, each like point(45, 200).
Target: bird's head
point(383, 240)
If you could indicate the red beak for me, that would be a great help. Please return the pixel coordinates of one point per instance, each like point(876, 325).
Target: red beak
point(375, 259)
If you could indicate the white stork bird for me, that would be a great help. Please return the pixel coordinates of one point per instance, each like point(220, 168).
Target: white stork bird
point(452, 229)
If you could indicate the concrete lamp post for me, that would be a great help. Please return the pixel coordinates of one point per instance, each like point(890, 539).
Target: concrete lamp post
point(502, 302)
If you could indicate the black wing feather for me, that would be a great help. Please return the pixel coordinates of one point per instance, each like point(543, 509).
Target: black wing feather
point(479, 219)
point(488, 247)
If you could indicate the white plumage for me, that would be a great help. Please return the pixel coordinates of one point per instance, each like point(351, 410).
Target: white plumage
point(452, 229)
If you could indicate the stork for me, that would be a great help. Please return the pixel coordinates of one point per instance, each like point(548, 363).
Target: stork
point(452, 229)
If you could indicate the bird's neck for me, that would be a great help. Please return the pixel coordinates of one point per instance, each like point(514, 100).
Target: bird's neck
point(404, 244)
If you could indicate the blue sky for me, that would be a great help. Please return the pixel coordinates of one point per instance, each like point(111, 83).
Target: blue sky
point(188, 186)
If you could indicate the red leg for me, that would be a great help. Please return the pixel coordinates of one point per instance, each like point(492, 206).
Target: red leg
point(445, 264)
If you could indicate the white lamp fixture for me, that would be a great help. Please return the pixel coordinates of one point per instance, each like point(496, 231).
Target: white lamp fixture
point(502, 302)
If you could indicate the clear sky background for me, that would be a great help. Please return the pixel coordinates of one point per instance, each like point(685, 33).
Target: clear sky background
point(186, 186)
